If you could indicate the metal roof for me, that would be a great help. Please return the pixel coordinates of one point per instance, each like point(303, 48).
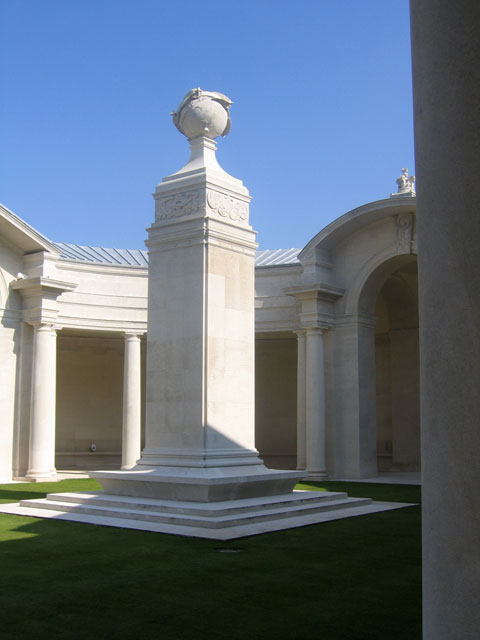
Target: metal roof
point(102, 255)
point(276, 257)
point(137, 258)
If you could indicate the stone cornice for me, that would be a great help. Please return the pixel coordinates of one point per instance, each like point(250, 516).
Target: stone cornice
point(318, 291)
point(42, 285)
point(268, 269)
point(94, 267)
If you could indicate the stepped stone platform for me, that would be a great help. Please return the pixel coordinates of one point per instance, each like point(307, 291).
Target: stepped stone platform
point(222, 520)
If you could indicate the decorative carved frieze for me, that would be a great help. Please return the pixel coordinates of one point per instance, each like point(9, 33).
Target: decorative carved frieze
point(227, 207)
point(404, 232)
point(179, 205)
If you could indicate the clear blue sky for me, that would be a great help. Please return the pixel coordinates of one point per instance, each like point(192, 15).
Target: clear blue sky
point(321, 122)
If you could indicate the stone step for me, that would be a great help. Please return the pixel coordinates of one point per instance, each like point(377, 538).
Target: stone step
point(126, 510)
point(220, 508)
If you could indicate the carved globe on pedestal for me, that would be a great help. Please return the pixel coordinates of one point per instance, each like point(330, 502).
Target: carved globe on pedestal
point(203, 114)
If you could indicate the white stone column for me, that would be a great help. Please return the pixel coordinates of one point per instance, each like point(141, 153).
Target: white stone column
point(446, 89)
point(301, 399)
point(42, 414)
point(315, 405)
point(53, 402)
point(132, 425)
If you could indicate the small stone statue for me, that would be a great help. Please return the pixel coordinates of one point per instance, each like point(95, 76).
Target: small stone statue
point(203, 114)
point(406, 184)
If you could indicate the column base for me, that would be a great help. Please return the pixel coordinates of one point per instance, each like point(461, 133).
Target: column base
point(41, 476)
point(199, 458)
point(317, 475)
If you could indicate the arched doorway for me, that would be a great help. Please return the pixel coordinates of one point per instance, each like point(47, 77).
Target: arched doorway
point(397, 371)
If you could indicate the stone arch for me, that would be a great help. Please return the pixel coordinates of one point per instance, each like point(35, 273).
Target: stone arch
point(363, 292)
point(395, 439)
point(355, 415)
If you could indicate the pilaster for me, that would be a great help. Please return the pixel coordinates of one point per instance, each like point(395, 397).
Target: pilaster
point(301, 399)
point(315, 405)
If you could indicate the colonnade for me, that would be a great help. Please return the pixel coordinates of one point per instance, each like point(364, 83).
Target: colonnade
point(41, 458)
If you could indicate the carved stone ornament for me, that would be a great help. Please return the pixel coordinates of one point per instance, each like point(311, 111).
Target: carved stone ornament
point(203, 114)
point(178, 205)
point(227, 207)
point(404, 232)
point(406, 185)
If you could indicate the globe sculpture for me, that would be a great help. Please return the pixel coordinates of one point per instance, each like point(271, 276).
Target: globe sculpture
point(203, 114)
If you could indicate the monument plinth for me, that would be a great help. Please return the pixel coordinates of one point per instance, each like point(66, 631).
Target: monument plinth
point(200, 414)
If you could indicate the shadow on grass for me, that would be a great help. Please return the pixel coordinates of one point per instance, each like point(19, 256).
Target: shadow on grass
point(352, 579)
point(409, 493)
point(33, 490)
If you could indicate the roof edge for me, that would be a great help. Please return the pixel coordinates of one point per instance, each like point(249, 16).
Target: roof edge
point(18, 230)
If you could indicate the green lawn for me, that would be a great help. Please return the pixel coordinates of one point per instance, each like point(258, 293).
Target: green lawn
point(355, 579)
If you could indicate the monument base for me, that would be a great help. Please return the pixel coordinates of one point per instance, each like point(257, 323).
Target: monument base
point(223, 520)
point(196, 484)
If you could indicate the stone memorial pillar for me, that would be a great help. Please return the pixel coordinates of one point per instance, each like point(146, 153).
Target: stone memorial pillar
point(200, 430)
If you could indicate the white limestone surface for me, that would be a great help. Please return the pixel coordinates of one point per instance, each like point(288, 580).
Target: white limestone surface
point(218, 521)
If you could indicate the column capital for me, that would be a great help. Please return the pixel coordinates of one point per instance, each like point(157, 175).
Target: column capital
point(42, 326)
point(133, 335)
point(317, 330)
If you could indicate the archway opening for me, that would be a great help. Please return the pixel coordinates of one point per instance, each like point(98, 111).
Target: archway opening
point(397, 371)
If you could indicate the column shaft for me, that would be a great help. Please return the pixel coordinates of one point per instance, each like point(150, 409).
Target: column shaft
point(301, 398)
point(42, 416)
point(53, 405)
point(132, 426)
point(446, 83)
point(315, 405)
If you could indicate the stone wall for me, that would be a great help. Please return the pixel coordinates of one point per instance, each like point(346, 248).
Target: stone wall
point(89, 402)
point(275, 399)
point(9, 348)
